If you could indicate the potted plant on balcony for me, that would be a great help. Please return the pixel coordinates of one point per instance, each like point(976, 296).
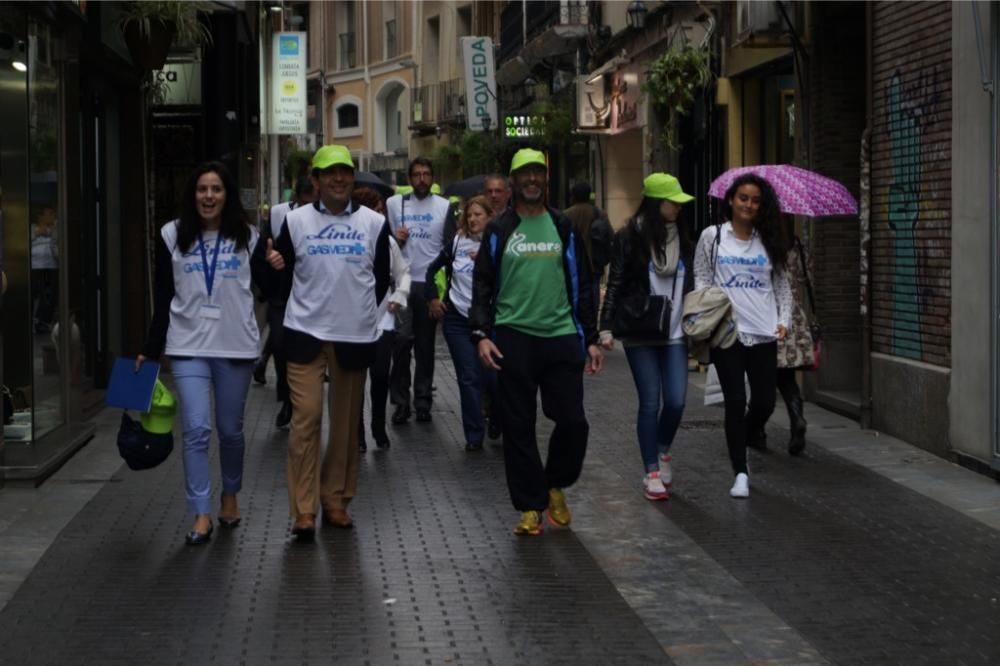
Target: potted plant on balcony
point(149, 28)
point(673, 82)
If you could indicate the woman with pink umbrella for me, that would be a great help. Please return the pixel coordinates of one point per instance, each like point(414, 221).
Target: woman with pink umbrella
point(745, 257)
point(806, 193)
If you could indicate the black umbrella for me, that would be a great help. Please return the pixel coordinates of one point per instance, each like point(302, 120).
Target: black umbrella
point(466, 188)
point(368, 179)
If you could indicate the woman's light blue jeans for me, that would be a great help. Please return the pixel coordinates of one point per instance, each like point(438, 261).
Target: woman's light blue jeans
point(197, 379)
point(660, 374)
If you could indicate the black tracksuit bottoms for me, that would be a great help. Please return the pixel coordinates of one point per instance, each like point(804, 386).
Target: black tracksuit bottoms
point(554, 367)
point(760, 365)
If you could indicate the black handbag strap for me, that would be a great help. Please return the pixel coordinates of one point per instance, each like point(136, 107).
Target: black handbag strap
point(715, 252)
point(805, 273)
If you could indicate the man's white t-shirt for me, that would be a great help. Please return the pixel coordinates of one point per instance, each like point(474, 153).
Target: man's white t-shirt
point(425, 220)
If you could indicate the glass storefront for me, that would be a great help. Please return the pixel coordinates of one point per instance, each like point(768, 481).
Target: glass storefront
point(43, 337)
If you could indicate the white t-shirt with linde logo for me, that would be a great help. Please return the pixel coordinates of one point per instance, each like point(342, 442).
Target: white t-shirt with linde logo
point(661, 285)
point(743, 270)
point(425, 219)
point(233, 334)
point(333, 287)
point(460, 289)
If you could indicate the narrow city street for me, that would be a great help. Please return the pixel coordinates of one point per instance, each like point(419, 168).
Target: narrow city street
point(828, 562)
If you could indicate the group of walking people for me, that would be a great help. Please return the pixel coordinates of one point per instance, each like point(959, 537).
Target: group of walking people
point(735, 290)
point(356, 286)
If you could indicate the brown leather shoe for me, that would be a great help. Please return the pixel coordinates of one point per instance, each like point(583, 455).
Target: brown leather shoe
point(304, 528)
point(338, 518)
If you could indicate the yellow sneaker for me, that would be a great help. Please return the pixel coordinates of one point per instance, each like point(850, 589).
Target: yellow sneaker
point(530, 524)
point(558, 512)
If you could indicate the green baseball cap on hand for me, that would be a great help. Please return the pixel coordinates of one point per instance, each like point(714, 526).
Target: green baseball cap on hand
point(661, 185)
point(526, 156)
point(160, 417)
point(332, 155)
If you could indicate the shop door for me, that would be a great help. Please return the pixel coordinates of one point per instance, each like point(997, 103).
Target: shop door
point(15, 322)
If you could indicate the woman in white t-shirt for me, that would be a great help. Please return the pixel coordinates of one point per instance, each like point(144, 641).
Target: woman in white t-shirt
point(650, 261)
point(203, 319)
point(745, 257)
point(458, 260)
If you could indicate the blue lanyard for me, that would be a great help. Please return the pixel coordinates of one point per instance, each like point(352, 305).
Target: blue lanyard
point(209, 271)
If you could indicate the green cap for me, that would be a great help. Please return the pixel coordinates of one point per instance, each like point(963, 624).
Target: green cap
point(160, 417)
point(526, 156)
point(332, 155)
point(455, 200)
point(404, 189)
point(661, 185)
point(435, 188)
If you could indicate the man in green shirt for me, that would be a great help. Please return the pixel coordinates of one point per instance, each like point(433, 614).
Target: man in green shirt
point(533, 320)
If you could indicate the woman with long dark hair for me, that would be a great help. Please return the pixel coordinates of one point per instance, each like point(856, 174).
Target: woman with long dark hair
point(745, 257)
point(651, 256)
point(203, 319)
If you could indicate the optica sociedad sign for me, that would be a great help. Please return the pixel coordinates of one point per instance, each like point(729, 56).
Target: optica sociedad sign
point(523, 127)
point(480, 83)
point(288, 83)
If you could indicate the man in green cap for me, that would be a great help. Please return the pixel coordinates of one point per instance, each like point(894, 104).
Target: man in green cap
point(329, 331)
point(533, 320)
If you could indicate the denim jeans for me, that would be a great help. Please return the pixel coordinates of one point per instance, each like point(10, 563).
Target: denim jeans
point(473, 378)
point(197, 379)
point(660, 374)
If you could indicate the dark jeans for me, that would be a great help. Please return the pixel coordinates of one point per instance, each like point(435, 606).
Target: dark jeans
point(555, 367)
point(275, 343)
point(473, 378)
point(660, 374)
point(416, 330)
point(760, 364)
point(378, 375)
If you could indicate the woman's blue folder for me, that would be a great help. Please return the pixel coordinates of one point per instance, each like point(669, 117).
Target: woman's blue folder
point(129, 389)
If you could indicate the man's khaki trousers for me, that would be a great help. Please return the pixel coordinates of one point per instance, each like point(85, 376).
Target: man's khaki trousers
point(330, 479)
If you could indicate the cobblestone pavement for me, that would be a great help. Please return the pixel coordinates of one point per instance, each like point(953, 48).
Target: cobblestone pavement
point(828, 562)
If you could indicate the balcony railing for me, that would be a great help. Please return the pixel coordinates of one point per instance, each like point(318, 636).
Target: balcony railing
point(348, 52)
point(439, 102)
point(541, 15)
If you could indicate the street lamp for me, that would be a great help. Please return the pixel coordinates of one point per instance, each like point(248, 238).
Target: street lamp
point(637, 15)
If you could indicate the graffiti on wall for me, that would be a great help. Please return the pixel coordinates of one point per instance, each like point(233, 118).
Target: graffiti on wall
point(910, 110)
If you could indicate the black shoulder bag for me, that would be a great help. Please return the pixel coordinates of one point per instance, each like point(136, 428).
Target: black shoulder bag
point(643, 315)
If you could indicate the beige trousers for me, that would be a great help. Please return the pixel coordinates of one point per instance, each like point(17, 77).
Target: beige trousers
point(332, 478)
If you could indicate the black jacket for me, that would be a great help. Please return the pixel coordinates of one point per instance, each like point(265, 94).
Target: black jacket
point(486, 276)
point(445, 260)
point(629, 272)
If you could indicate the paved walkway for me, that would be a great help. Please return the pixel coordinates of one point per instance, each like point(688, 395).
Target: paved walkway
point(864, 550)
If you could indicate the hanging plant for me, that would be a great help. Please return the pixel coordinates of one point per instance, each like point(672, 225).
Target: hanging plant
point(150, 27)
point(556, 122)
point(673, 82)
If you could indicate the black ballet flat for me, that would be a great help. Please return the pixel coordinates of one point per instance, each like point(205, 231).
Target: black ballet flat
point(194, 538)
point(229, 522)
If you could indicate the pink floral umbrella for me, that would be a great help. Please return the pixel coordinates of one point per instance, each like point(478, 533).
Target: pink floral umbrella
point(800, 192)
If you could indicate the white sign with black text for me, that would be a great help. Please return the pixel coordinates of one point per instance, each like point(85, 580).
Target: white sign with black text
point(288, 83)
